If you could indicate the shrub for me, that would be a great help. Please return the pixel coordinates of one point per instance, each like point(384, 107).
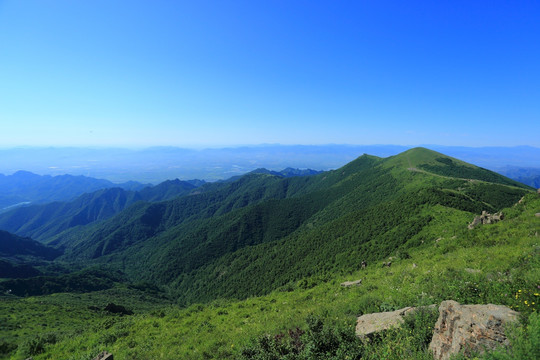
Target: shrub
point(419, 326)
point(320, 341)
point(36, 345)
point(524, 342)
point(6, 347)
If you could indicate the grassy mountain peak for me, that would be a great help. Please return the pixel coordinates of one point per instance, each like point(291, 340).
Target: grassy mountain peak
point(424, 160)
point(417, 156)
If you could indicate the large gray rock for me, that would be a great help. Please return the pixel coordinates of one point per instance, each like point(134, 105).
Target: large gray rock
point(368, 324)
point(469, 328)
point(486, 218)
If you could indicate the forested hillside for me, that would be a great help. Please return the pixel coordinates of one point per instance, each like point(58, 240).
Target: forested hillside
point(256, 255)
point(44, 221)
point(18, 256)
point(312, 317)
point(263, 231)
point(13, 246)
point(26, 187)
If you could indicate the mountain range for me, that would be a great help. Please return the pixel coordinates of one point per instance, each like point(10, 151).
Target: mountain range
point(156, 164)
point(24, 187)
point(219, 239)
point(42, 221)
point(214, 264)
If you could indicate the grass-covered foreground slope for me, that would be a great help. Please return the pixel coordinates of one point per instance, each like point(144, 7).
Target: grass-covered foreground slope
point(497, 263)
point(261, 232)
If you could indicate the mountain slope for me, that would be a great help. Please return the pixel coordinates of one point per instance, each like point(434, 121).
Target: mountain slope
point(13, 246)
point(287, 172)
point(44, 221)
point(527, 176)
point(491, 264)
point(144, 220)
point(262, 231)
point(18, 256)
point(24, 186)
point(422, 159)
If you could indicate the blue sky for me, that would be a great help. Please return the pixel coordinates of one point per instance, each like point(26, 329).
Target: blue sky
point(214, 73)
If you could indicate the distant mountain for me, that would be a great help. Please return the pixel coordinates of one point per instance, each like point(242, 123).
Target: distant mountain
point(527, 176)
point(196, 182)
point(43, 221)
point(168, 189)
point(26, 187)
point(494, 157)
point(263, 231)
point(285, 173)
point(288, 172)
point(154, 165)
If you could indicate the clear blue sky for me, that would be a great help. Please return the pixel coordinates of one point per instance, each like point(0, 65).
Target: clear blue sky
point(211, 73)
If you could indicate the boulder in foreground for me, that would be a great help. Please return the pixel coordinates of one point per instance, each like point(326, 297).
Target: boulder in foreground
point(369, 324)
point(469, 328)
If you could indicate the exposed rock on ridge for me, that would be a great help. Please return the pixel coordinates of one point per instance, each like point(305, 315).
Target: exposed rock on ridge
point(486, 218)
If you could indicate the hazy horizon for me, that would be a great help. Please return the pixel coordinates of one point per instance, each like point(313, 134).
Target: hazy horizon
point(156, 164)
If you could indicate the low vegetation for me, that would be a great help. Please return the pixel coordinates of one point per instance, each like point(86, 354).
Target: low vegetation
point(497, 263)
point(251, 269)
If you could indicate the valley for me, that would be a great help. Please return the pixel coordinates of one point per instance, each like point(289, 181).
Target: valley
point(221, 270)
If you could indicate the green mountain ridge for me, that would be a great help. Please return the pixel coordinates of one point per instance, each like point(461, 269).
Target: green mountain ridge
point(24, 186)
point(232, 270)
point(220, 242)
point(43, 221)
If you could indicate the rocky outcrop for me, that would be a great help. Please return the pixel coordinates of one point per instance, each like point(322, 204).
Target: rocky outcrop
point(104, 355)
point(352, 283)
point(368, 324)
point(486, 218)
point(465, 329)
point(469, 328)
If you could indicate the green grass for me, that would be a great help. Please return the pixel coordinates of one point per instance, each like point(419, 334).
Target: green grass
point(497, 263)
point(254, 267)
